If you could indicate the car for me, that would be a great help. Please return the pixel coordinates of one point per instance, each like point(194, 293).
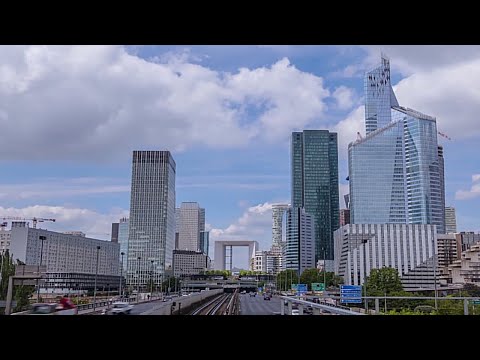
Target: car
point(50, 309)
point(243, 292)
point(119, 308)
point(295, 312)
point(253, 294)
point(266, 297)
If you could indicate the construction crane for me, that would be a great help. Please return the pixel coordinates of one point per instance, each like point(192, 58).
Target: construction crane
point(34, 220)
point(444, 135)
point(359, 136)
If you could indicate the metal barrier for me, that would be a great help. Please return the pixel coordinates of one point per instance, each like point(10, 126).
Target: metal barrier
point(331, 308)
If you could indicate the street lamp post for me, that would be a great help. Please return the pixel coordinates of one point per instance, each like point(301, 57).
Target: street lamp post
point(435, 273)
point(138, 277)
point(42, 238)
point(324, 272)
point(364, 242)
point(151, 278)
point(95, 286)
point(120, 286)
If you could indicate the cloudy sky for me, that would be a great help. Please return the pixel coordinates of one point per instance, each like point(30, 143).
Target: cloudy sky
point(71, 115)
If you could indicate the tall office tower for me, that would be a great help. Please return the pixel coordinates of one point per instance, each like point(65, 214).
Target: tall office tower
point(191, 222)
point(177, 226)
point(395, 171)
point(450, 220)
point(123, 241)
point(346, 197)
point(315, 185)
point(278, 212)
point(379, 97)
point(344, 217)
point(441, 169)
point(152, 217)
point(204, 242)
point(114, 235)
point(299, 249)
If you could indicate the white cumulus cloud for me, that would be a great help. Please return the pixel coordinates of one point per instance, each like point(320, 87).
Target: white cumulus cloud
point(98, 102)
point(345, 97)
point(255, 224)
point(473, 192)
point(92, 223)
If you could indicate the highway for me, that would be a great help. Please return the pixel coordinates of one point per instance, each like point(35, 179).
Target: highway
point(250, 305)
point(138, 309)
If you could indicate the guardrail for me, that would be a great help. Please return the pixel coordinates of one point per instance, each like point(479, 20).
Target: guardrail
point(330, 308)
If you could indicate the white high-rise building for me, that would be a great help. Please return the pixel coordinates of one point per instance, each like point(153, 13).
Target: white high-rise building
point(450, 220)
point(152, 217)
point(191, 222)
point(278, 213)
point(408, 248)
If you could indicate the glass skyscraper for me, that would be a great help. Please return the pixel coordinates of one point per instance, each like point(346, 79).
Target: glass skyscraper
point(315, 184)
point(152, 218)
point(190, 222)
point(396, 171)
point(299, 249)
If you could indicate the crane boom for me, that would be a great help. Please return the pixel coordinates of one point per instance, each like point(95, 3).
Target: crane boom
point(34, 220)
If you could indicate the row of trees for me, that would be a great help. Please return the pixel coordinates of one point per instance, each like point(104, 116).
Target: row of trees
point(386, 282)
point(225, 273)
point(21, 293)
point(309, 276)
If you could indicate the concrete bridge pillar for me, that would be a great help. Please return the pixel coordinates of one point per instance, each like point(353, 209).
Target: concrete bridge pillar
point(300, 309)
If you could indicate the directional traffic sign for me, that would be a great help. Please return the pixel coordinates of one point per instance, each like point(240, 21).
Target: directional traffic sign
point(318, 287)
point(350, 294)
point(476, 302)
point(301, 289)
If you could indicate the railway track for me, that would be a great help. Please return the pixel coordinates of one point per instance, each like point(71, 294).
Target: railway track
point(224, 304)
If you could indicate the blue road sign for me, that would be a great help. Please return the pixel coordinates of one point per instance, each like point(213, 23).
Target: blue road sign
point(353, 292)
point(301, 289)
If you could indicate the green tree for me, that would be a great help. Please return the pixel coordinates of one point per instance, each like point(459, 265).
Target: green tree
point(22, 296)
point(383, 282)
point(150, 286)
point(7, 269)
point(471, 290)
point(170, 283)
point(310, 276)
point(285, 278)
point(21, 293)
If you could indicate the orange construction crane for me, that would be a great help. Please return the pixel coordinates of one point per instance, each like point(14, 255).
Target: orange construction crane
point(34, 220)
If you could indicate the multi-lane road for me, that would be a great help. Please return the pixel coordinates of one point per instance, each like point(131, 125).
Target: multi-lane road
point(250, 305)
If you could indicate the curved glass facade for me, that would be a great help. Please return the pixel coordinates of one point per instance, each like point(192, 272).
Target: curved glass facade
point(396, 171)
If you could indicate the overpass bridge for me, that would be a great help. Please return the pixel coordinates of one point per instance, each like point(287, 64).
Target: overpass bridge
point(227, 285)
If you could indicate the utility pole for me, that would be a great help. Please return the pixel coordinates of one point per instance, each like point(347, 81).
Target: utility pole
point(364, 242)
point(41, 238)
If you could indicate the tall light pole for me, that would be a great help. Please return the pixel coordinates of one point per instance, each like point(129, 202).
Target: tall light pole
point(435, 273)
point(364, 242)
point(324, 272)
point(151, 278)
point(120, 286)
point(42, 238)
point(1, 265)
point(138, 277)
point(95, 286)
